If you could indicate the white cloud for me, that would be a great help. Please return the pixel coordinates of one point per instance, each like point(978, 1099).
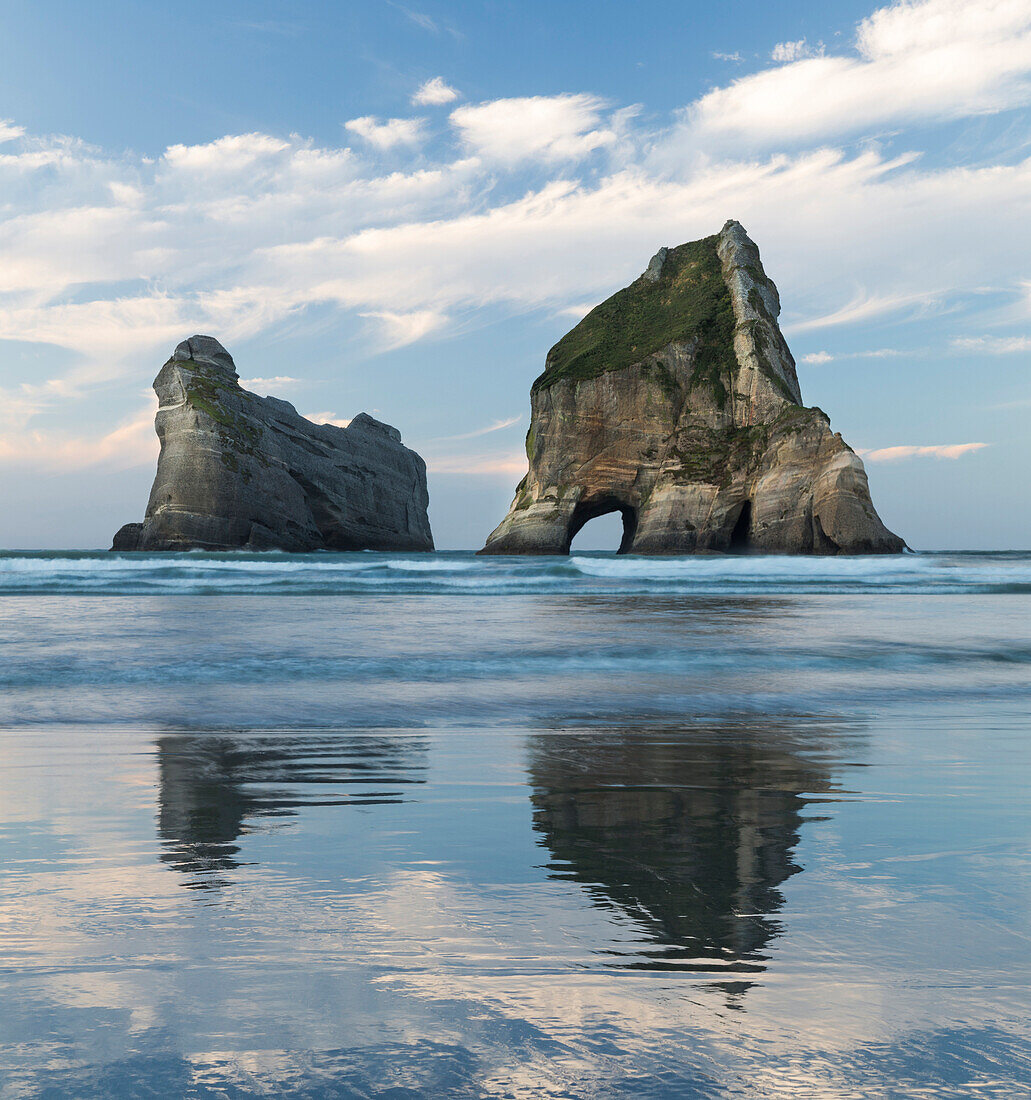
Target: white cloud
point(417, 245)
point(992, 345)
point(326, 418)
point(8, 130)
point(818, 358)
point(233, 153)
point(863, 307)
point(116, 330)
point(131, 443)
point(434, 93)
point(497, 426)
point(122, 326)
point(735, 56)
point(946, 450)
point(115, 258)
point(549, 128)
point(419, 18)
point(795, 51)
point(578, 312)
point(1020, 403)
point(509, 463)
point(921, 61)
point(269, 384)
point(389, 134)
point(400, 329)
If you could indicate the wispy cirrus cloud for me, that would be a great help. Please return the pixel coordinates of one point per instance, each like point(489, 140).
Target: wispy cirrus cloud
point(399, 329)
point(511, 463)
point(434, 24)
point(896, 454)
point(497, 426)
point(819, 358)
point(864, 307)
point(992, 345)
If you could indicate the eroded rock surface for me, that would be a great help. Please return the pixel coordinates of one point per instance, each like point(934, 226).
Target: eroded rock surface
point(676, 403)
point(242, 472)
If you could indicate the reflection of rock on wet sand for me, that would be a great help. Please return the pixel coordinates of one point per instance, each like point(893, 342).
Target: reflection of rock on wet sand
point(214, 787)
point(688, 831)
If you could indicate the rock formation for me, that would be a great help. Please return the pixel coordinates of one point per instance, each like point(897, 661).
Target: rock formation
point(242, 472)
point(676, 403)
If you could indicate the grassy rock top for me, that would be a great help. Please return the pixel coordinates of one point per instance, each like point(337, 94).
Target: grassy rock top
point(687, 300)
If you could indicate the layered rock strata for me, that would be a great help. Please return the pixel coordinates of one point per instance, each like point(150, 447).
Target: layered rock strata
point(676, 403)
point(242, 472)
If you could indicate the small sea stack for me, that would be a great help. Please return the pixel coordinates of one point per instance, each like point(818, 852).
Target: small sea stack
point(676, 403)
point(242, 472)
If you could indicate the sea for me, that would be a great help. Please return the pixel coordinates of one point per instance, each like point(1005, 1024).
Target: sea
point(382, 825)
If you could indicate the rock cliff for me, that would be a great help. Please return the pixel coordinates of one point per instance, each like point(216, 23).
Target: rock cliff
point(242, 472)
point(676, 403)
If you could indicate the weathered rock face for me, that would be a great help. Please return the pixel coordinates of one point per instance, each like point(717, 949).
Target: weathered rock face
point(676, 403)
point(238, 471)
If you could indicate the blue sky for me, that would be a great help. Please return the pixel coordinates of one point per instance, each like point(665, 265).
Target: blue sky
point(400, 207)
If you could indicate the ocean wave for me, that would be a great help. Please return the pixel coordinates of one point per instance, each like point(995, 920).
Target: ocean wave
point(197, 573)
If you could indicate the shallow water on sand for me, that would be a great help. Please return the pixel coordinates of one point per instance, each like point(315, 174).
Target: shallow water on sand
point(412, 826)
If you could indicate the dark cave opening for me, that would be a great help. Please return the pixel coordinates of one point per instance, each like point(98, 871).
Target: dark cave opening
point(740, 537)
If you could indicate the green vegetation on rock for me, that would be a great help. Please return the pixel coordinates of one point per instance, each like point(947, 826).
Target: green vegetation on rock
point(663, 375)
point(797, 418)
point(204, 392)
point(711, 457)
point(688, 302)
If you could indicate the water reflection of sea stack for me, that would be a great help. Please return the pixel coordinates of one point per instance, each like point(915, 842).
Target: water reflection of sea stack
point(689, 832)
point(215, 787)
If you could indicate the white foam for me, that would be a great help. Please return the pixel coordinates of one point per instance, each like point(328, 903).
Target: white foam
point(784, 569)
point(431, 565)
point(100, 572)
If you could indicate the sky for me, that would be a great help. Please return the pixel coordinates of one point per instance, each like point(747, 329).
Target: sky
point(399, 208)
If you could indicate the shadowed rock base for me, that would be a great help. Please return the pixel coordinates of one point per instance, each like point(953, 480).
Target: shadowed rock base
point(676, 403)
point(242, 472)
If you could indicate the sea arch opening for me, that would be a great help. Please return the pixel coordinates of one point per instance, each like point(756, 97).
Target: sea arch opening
point(585, 511)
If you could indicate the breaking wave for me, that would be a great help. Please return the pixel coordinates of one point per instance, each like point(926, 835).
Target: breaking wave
point(92, 572)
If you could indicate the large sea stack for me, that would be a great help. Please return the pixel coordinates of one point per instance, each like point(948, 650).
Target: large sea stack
point(242, 472)
point(676, 403)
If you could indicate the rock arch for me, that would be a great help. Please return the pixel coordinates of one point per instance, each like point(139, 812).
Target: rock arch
point(584, 511)
point(676, 401)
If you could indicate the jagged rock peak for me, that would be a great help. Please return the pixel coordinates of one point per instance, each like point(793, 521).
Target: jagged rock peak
point(206, 350)
point(653, 272)
point(676, 403)
point(238, 471)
